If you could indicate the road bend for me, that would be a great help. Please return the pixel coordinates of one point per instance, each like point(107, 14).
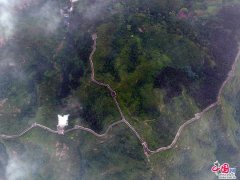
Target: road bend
point(146, 149)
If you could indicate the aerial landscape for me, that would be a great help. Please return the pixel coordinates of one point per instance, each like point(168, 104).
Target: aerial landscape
point(112, 89)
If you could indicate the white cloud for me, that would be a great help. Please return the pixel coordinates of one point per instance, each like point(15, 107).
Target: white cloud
point(6, 18)
point(17, 169)
point(50, 16)
point(92, 10)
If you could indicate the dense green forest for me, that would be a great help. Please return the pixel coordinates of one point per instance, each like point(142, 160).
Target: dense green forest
point(166, 60)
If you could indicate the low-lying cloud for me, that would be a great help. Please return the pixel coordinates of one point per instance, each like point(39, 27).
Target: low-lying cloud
point(18, 169)
point(6, 18)
point(93, 10)
point(49, 15)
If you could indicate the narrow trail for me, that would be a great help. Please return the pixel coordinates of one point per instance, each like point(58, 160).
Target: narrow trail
point(113, 93)
point(197, 116)
point(93, 132)
point(146, 149)
point(36, 125)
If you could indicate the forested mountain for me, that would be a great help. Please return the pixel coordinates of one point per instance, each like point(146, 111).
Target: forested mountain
point(165, 59)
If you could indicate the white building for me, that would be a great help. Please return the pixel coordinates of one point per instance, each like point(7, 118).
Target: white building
point(62, 123)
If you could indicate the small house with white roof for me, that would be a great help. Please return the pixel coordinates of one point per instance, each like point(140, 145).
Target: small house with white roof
point(62, 123)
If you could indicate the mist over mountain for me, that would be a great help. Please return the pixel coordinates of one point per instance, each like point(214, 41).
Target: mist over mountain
point(166, 61)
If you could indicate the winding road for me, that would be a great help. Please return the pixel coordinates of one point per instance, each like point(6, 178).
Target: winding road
point(146, 149)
